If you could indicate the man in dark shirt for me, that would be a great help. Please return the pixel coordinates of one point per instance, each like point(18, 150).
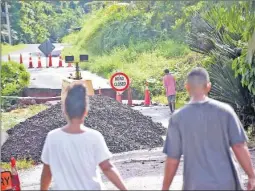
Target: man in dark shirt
point(205, 132)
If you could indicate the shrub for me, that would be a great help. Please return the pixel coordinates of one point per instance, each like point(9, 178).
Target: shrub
point(14, 77)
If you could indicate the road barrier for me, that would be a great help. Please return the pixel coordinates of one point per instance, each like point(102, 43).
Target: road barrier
point(147, 99)
point(20, 59)
point(10, 179)
point(60, 62)
point(130, 96)
point(30, 61)
point(39, 61)
point(118, 97)
point(15, 175)
point(50, 61)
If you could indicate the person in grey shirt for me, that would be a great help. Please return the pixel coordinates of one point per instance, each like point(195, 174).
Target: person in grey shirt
point(205, 132)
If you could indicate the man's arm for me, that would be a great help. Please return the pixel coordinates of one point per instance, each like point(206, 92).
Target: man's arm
point(237, 141)
point(45, 177)
point(171, 166)
point(173, 150)
point(112, 174)
point(243, 156)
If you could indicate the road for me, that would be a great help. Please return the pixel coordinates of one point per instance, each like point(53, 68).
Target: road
point(51, 77)
point(141, 170)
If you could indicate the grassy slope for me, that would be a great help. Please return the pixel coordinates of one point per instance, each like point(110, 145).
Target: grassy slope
point(10, 119)
point(140, 61)
point(6, 48)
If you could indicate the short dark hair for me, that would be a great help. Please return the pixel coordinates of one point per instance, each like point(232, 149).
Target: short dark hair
point(198, 76)
point(166, 71)
point(76, 100)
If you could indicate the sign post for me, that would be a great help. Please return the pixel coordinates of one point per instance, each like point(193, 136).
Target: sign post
point(46, 48)
point(119, 82)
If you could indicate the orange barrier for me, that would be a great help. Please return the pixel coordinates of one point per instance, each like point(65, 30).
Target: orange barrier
point(50, 61)
point(15, 175)
point(69, 65)
point(130, 96)
point(39, 61)
point(147, 99)
point(20, 59)
point(118, 97)
point(10, 179)
point(30, 62)
point(60, 61)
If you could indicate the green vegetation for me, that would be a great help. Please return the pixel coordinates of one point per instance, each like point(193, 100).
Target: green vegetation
point(6, 48)
point(119, 38)
point(19, 115)
point(21, 164)
point(35, 21)
point(14, 77)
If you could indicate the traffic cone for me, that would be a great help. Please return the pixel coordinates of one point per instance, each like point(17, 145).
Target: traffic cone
point(30, 62)
point(9, 57)
point(50, 61)
point(130, 96)
point(118, 97)
point(69, 65)
point(20, 59)
point(60, 62)
point(147, 100)
point(99, 91)
point(39, 61)
point(15, 175)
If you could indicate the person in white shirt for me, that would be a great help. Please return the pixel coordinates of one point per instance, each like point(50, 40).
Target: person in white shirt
point(72, 154)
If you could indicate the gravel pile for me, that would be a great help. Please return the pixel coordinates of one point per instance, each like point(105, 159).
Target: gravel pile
point(123, 128)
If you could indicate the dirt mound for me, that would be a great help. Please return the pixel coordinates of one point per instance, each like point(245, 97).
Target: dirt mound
point(123, 128)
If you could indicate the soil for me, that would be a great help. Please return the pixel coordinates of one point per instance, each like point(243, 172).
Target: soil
point(123, 128)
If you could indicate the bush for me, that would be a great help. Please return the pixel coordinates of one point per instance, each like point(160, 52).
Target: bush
point(14, 77)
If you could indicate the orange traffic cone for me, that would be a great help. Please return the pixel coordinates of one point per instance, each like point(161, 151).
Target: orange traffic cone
point(50, 61)
point(20, 59)
point(147, 99)
point(69, 65)
point(9, 57)
point(118, 97)
point(30, 62)
point(60, 61)
point(130, 96)
point(99, 91)
point(39, 61)
point(15, 175)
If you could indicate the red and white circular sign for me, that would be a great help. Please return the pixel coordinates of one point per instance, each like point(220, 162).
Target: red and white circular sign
point(119, 81)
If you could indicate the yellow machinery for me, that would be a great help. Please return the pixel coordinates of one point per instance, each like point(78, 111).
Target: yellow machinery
point(88, 83)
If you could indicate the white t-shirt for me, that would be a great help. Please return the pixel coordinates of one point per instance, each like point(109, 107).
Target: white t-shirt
point(74, 159)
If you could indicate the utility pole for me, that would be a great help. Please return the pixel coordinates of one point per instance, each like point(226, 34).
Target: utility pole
point(8, 22)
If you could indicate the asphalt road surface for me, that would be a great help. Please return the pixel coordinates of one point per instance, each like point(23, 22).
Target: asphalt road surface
point(51, 77)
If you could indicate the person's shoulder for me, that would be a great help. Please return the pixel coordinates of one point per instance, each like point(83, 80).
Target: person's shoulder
point(221, 106)
point(93, 132)
point(54, 132)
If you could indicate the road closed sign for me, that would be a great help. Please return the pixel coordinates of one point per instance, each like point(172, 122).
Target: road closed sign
point(119, 81)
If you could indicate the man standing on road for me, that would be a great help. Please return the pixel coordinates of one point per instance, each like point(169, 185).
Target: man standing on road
point(204, 131)
point(170, 85)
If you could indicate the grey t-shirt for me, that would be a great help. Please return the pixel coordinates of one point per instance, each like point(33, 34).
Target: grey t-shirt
point(203, 132)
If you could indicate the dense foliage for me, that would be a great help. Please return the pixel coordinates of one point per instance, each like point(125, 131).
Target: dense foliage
point(35, 21)
point(14, 77)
